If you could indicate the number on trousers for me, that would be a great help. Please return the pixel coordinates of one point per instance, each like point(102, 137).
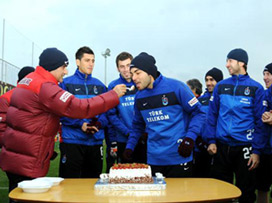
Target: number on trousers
point(247, 151)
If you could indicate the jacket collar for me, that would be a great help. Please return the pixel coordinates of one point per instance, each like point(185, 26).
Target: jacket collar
point(124, 81)
point(158, 80)
point(207, 93)
point(46, 74)
point(82, 75)
point(240, 77)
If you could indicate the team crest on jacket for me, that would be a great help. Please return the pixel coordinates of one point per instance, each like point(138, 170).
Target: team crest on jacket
point(164, 100)
point(247, 91)
point(95, 90)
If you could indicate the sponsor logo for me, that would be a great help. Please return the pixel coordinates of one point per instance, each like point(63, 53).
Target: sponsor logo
point(211, 99)
point(25, 81)
point(265, 103)
point(164, 100)
point(245, 101)
point(77, 89)
point(65, 96)
point(144, 104)
point(227, 89)
point(155, 116)
point(247, 91)
point(193, 101)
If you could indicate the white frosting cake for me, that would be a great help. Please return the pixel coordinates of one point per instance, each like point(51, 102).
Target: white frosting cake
point(130, 173)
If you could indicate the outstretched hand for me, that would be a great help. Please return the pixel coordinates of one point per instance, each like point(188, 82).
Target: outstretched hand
point(120, 90)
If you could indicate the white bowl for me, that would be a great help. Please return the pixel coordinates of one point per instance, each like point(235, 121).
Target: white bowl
point(54, 180)
point(35, 186)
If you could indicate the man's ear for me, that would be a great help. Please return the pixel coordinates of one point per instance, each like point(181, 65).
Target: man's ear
point(77, 62)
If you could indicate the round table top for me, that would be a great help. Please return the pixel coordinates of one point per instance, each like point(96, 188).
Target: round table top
point(177, 190)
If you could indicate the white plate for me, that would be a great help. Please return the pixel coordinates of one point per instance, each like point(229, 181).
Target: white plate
point(54, 180)
point(35, 186)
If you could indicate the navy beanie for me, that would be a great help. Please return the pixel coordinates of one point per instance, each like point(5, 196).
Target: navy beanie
point(215, 73)
point(24, 72)
point(239, 55)
point(268, 68)
point(146, 63)
point(52, 58)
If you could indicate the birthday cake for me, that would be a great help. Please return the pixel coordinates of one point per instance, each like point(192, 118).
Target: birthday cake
point(130, 173)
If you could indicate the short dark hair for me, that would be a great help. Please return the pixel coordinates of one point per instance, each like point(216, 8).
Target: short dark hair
point(83, 50)
point(195, 84)
point(123, 56)
point(245, 67)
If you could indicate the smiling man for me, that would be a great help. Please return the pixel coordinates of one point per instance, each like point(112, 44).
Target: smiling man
point(202, 160)
point(168, 112)
point(235, 132)
point(82, 139)
point(121, 116)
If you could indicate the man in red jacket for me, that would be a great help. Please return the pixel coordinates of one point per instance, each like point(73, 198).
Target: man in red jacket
point(5, 99)
point(36, 105)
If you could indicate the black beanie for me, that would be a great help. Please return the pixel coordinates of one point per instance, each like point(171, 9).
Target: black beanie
point(24, 72)
point(52, 58)
point(215, 73)
point(268, 68)
point(146, 63)
point(239, 55)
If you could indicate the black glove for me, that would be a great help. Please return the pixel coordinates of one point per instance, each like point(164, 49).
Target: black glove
point(113, 149)
point(127, 155)
point(186, 147)
point(203, 146)
point(95, 123)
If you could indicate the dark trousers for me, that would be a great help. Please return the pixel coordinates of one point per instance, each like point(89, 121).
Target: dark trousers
point(80, 161)
point(14, 180)
point(173, 171)
point(264, 173)
point(110, 160)
point(230, 161)
point(139, 154)
point(201, 164)
point(121, 146)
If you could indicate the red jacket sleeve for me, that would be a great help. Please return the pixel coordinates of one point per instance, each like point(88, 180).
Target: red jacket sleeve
point(63, 103)
point(4, 104)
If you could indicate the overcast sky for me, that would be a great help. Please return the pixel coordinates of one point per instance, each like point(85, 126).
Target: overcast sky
point(186, 37)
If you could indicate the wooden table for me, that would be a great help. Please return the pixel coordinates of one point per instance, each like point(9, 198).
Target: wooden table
point(177, 190)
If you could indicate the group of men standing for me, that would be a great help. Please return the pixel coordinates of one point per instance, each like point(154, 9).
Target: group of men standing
point(144, 115)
